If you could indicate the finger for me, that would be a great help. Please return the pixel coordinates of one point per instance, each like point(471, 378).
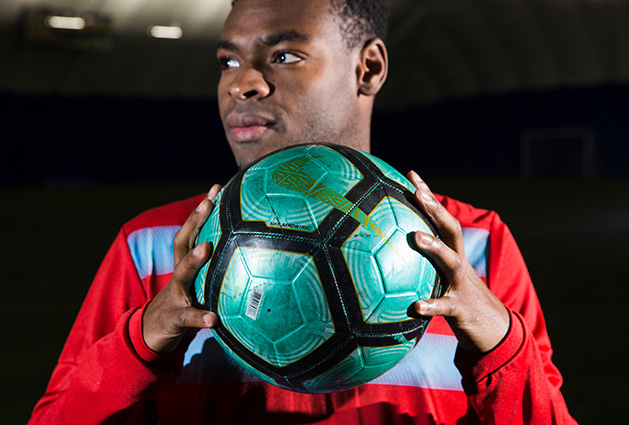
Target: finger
point(448, 227)
point(185, 239)
point(444, 306)
point(447, 260)
point(213, 193)
point(191, 317)
point(198, 217)
point(211, 198)
point(417, 181)
point(187, 269)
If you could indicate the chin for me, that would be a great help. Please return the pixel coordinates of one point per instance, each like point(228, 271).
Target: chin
point(247, 157)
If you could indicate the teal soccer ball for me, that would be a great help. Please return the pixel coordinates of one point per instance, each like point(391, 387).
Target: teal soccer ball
point(312, 273)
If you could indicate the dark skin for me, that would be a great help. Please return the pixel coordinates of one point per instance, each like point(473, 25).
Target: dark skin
point(282, 84)
point(478, 319)
point(170, 316)
point(287, 78)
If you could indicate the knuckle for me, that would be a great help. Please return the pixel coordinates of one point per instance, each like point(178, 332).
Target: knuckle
point(458, 267)
point(450, 224)
point(452, 308)
point(182, 317)
point(180, 272)
point(180, 237)
point(455, 225)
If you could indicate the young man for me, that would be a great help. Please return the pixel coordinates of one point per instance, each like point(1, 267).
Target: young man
point(298, 71)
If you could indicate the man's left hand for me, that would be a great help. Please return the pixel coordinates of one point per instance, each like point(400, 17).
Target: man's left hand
point(478, 319)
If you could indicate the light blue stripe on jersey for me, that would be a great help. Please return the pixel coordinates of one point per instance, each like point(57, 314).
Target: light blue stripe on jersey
point(152, 250)
point(429, 365)
point(196, 346)
point(475, 241)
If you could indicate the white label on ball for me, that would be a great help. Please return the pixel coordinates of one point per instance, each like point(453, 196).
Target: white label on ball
point(254, 303)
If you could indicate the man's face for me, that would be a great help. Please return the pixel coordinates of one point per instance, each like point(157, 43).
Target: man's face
point(287, 77)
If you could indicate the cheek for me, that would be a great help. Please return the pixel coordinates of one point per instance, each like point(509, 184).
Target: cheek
point(323, 96)
point(222, 95)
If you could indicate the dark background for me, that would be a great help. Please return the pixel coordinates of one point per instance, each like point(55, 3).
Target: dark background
point(61, 140)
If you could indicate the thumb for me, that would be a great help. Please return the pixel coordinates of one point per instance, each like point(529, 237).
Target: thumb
point(443, 306)
point(195, 318)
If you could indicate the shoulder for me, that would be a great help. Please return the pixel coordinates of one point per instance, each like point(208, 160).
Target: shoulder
point(149, 236)
point(172, 214)
point(468, 215)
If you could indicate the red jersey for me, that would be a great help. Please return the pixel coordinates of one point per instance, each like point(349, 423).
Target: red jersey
point(107, 374)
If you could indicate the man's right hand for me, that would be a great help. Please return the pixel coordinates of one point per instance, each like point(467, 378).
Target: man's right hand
point(170, 316)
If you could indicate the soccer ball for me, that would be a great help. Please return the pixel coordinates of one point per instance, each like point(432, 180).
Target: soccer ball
point(313, 272)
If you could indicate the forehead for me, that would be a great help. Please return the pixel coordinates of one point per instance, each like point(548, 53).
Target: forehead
point(259, 19)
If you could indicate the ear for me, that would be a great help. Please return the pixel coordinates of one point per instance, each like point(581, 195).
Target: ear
point(373, 67)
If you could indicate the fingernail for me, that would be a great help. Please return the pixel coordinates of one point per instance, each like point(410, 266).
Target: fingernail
point(210, 319)
point(213, 192)
point(424, 239)
point(415, 177)
point(420, 307)
point(198, 249)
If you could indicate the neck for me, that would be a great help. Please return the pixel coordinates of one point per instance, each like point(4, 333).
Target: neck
point(362, 130)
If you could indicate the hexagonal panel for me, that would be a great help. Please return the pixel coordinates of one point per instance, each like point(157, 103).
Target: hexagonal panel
point(273, 302)
point(387, 356)
point(366, 277)
point(399, 264)
point(337, 375)
point(389, 266)
point(393, 308)
point(363, 365)
point(273, 307)
point(279, 189)
point(234, 287)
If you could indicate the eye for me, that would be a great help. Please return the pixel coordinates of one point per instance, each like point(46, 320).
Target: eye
point(228, 63)
point(287, 58)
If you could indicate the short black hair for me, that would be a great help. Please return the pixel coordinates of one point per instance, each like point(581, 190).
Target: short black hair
point(361, 20)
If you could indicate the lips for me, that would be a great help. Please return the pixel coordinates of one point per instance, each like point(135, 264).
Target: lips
point(248, 127)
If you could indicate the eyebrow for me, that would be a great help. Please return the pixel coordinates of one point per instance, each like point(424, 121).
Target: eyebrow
point(268, 40)
point(279, 37)
point(224, 44)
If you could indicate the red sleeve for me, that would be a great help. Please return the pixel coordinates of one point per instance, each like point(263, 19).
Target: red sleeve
point(516, 383)
point(105, 371)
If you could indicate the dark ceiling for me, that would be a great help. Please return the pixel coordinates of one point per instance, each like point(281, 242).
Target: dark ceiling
point(440, 49)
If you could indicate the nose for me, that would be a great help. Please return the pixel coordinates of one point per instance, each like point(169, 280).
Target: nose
point(249, 83)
